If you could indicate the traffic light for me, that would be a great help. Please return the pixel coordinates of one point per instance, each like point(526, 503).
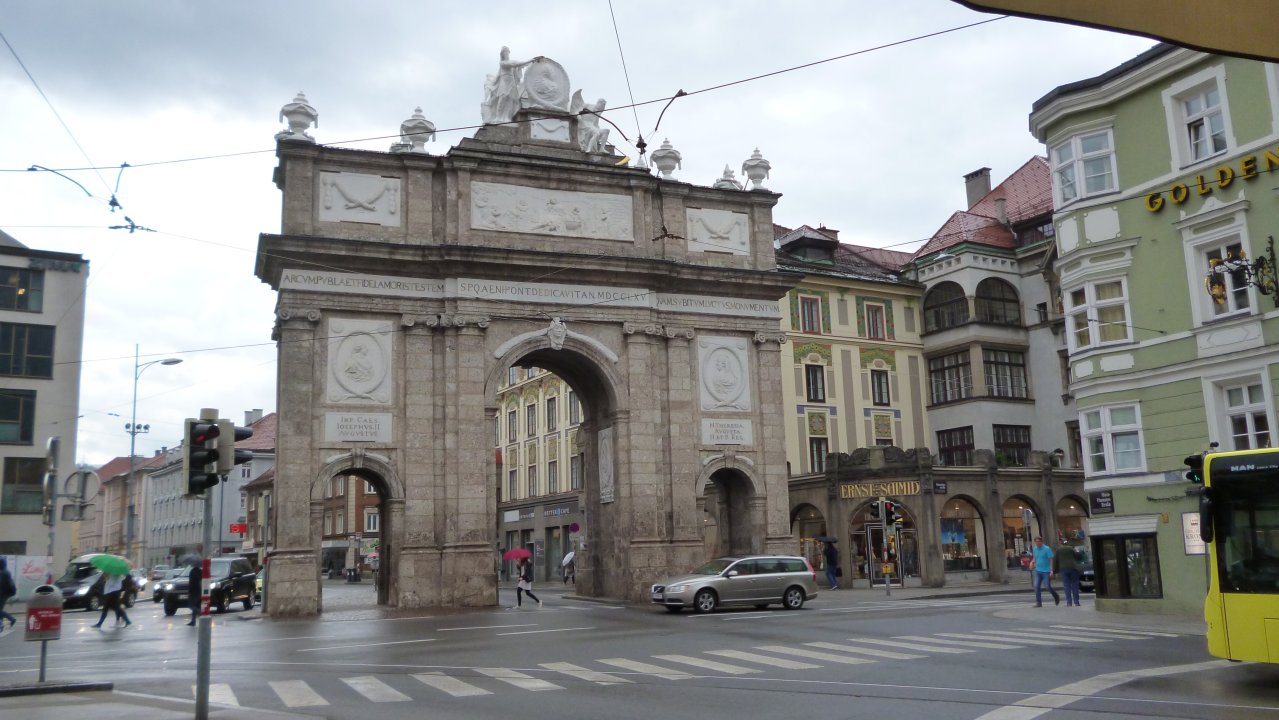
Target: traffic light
point(199, 454)
point(874, 509)
point(1196, 472)
point(892, 514)
point(228, 436)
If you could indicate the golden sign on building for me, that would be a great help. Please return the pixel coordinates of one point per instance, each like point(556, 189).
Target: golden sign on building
point(849, 491)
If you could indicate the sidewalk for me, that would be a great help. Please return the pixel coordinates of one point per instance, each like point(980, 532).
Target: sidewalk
point(345, 601)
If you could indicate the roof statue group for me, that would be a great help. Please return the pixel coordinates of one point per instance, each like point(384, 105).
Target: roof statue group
point(537, 84)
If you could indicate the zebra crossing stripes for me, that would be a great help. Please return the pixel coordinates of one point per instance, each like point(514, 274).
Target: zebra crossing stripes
point(814, 655)
point(646, 668)
point(964, 643)
point(450, 685)
point(873, 652)
point(582, 673)
point(1119, 632)
point(910, 646)
point(219, 694)
point(296, 693)
point(375, 690)
point(1020, 637)
point(763, 659)
point(1065, 635)
point(707, 664)
point(518, 679)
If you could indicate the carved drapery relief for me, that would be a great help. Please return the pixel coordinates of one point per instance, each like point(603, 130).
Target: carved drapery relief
point(359, 362)
point(355, 197)
point(723, 368)
point(718, 231)
point(604, 440)
point(567, 213)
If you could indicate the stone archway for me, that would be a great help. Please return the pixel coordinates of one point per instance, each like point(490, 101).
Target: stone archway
point(398, 310)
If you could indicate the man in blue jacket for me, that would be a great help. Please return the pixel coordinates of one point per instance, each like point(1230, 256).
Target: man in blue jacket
point(1043, 559)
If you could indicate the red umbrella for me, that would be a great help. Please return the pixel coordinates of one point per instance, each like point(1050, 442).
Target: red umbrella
point(516, 554)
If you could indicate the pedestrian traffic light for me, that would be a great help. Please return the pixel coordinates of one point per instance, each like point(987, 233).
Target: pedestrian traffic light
point(874, 509)
point(199, 455)
point(1196, 472)
point(228, 436)
point(892, 513)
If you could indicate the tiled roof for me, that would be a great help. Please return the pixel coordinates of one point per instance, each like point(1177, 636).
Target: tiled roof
point(891, 259)
point(1027, 194)
point(119, 467)
point(264, 431)
point(261, 482)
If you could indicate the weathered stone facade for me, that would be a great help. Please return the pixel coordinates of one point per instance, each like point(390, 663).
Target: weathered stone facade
point(409, 284)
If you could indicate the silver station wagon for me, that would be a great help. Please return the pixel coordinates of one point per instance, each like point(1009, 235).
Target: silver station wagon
point(758, 580)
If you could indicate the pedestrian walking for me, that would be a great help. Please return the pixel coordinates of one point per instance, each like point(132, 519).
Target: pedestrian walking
point(1043, 564)
point(525, 585)
point(7, 590)
point(830, 554)
point(1067, 563)
point(194, 591)
point(113, 587)
point(570, 572)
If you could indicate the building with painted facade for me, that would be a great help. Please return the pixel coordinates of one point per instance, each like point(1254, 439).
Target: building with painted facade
point(1160, 167)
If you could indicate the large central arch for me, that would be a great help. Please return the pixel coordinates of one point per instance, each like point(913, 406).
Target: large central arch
point(409, 284)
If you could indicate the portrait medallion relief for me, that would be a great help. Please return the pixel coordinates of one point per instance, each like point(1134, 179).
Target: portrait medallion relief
point(359, 362)
point(722, 362)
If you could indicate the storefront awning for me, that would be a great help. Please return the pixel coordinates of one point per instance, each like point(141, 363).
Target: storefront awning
point(1125, 525)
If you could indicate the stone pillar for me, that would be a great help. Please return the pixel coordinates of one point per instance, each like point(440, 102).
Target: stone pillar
point(415, 565)
point(685, 507)
point(647, 473)
point(770, 470)
point(295, 567)
point(994, 501)
point(927, 531)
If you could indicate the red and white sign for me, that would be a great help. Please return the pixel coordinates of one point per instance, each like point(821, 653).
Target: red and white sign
point(239, 528)
point(44, 623)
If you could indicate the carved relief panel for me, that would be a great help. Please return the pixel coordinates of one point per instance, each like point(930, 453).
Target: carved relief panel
point(359, 370)
point(568, 213)
point(723, 367)
point(718, 231)
point(355, 197)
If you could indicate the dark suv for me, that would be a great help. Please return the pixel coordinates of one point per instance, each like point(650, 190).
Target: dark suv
point(231, 580)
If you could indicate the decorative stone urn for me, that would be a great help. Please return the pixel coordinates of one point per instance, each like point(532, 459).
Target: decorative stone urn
point(415, 133)
point(756, 170)
point(727, 181)
point(666, 158)
point(300, 115)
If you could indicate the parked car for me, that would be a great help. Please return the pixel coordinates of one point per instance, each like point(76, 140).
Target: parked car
point(81, 585)
point(758, 580)
point(159, 572)
point(231, 580)
point(257, 583)
point(1087, 578)
point(166, 583)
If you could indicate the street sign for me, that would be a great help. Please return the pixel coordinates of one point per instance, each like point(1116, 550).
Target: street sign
point(239, 528)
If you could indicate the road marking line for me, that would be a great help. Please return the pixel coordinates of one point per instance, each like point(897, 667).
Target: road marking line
point(763, 659)
point(1032, 707)
point(1063, 635)
point(707, 664)
point(873, 652)
point(518, 679)
point(296, 693)
point(814, 655)
point(220, 694)
point(582, 673)
point(1020, 637)
point(343, 647)
point(534, 632)
point(966, 643)
point(375, 690)
point(910, 646)
point(450, 685)
point(486, 627)
point(1118, 631)
point(646, 668)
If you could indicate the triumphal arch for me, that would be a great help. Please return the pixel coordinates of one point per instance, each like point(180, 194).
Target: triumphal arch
point(409, 283)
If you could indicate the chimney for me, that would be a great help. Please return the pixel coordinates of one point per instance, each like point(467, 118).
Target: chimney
point(1000, 213)
point(252, 416)
point(977, 185)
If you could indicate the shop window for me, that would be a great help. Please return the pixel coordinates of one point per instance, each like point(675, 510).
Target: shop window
point(815, 383)
point(1127, 566)
point(962, 537)
point(955, 446)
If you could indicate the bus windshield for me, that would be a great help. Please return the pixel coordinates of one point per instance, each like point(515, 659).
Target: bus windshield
point(1246, 515)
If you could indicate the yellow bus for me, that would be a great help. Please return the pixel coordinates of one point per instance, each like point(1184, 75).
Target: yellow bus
point(1239, 522)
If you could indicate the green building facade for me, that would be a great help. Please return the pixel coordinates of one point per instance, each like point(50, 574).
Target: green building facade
point(1164, 173)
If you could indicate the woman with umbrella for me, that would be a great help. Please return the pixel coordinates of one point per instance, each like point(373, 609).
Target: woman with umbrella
point(524, 569)
point(114, 570)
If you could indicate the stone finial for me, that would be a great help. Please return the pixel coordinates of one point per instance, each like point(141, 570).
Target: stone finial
point(666, 158)
point(727, 181)
point(415, 133)
point(756, 168)
point(300, 115)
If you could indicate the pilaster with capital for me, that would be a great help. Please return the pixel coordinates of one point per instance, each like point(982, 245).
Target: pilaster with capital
point(772, 435)
point(648, 467)
point(417, 436)
point(299, 379)
point(682, 423)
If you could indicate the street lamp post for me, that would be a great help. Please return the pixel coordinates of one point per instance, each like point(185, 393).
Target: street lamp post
point(133, 429)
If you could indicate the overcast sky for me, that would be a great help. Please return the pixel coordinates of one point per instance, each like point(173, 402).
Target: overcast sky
point(875, 144)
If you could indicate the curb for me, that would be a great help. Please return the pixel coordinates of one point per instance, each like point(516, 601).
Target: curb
point(48, 688)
